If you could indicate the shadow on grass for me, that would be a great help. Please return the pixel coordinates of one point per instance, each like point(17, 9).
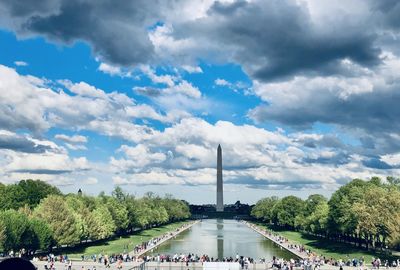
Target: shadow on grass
point(329, 246)
point(146, 234)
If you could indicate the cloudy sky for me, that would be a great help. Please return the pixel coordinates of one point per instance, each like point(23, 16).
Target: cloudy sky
point(302, 95)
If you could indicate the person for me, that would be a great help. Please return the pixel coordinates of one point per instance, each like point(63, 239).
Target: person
point(16, 263)
point(70, 265)
point(119, 264)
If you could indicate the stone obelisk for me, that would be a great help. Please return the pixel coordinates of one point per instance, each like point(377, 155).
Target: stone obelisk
point(220, 198)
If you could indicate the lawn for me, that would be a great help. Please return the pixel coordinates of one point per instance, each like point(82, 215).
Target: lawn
point(118, 245)
point(327, 248)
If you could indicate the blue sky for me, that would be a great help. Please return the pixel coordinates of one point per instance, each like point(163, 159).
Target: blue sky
point(142, 97)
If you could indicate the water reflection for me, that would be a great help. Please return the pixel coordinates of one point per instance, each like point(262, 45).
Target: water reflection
point(220, 238)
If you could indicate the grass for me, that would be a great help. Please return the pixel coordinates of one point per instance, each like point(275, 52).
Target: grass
point(326, 247)
point(118, 245)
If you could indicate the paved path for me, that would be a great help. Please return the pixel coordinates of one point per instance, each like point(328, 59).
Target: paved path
point(255, 266)
point(79, 265)
point(171, 235)
point(284, 245)
point(177, 266)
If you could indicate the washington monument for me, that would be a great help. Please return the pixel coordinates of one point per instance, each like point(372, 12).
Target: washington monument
point(220, 198)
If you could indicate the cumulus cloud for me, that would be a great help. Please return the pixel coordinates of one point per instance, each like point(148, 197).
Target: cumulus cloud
point(311, 63)
point(192, 69)
point(20, 63)
point(19, 143)
point(367, 102)
point(111, 34)
point(23, 157)
point(185, 154)
point(272, 40)
point(222, 82)
point(109, 69)
point(71, 139)
point(91, 181)
point(34, 105)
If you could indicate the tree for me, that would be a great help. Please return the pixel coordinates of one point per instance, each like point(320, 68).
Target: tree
point(394, 181)
point(80, 206)
point(35, 191)
point(43, 233)
point(176, 209)
point(26, 192)
point(101, 224)
point(12, 197)
point(2, 234)
point(286, 210)
point(61, 220)
point(119, 194)
point(263, 208)
point(119, 213)
point(317, 221)
point(341, 218)
point(17, 230)
point(312, 202)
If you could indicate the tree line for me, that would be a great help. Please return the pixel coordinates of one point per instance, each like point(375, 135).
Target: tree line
point(363, 213)
point(37, 216)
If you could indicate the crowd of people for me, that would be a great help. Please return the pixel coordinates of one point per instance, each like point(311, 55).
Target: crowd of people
point(298, 249)
point(155, 241)
point(193, 258)
point(312, 263)
point(311, 260)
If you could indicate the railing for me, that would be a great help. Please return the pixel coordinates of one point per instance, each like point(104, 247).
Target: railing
point(196, 266)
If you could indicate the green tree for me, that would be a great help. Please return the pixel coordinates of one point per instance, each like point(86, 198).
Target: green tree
point(26, 192)
point(287, 209)
point(43, 233)
point(317, 221)
point(61, 220)
point(36, 190)
point(119, 194)
point(119, 213)
point(2, 233)
point(101, 224)
point(341, 216)
point(17, 230)
point(263, 208)
point(12, 197)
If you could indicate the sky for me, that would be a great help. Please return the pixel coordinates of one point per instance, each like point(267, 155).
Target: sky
point(303, 96)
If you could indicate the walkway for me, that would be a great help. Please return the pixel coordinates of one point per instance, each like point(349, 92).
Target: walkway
point(168, 237)
point(175, 266)
point(285, 244)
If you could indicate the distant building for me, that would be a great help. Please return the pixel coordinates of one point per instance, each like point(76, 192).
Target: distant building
point(220, 193)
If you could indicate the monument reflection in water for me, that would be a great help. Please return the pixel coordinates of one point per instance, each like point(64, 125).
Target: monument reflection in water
point(219, 238)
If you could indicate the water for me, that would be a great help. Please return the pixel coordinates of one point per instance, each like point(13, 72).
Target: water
point(220, 238)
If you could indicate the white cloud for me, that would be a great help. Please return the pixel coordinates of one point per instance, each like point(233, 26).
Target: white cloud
point(71, 139)
point(392, 159)
point(91, 181)
point(83, 89)
point(233, 86)
point(169, 80)
point(222, 82)
point(137, 157)
point(75, 146)
point(192, 69)
point(184, 88)
point(20, 63)
point(111, 70)
point(35, 106)
point(46, 163)
point(251, 156)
